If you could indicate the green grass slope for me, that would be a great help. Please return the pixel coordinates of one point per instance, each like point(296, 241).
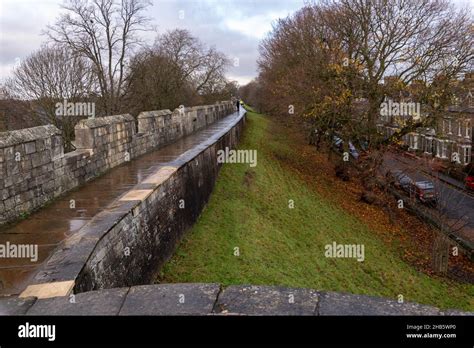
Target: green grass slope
point(249, 210)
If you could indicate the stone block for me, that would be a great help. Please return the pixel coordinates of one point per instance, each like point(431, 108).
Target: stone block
point(48, 290)
point(332, 303)
point(30, 147)
point(267, 300)
point(456, 312)
point(36, 159)
point(15, 305)
point(101, 302)
point(170, 299)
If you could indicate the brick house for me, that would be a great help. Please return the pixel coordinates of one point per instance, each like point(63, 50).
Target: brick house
point(451, 137)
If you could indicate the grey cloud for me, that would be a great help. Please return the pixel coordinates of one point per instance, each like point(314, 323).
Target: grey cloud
point(21, 26)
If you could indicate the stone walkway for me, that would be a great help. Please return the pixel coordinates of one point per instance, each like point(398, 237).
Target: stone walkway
point(52, 224)
point(212, 299)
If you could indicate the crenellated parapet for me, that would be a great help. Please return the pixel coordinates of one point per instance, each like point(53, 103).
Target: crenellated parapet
point(34, 168)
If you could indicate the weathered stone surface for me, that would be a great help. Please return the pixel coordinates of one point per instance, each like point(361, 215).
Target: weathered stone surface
point(267, 300)
point(15, 305)
point(68, 260)
point(456, 312)
point(101, 302)
point(207, 299)
point(170, 299)
point(332, 303)
point(17, 137)
point(104, 121)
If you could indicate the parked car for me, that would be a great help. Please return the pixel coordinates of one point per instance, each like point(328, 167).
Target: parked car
point(353, 151)
point(339, 145)
point(469, 182)
point(424, 191)
point(469, 176)
point(401, 180)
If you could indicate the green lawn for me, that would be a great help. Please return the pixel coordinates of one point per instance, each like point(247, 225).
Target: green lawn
point(249, 210)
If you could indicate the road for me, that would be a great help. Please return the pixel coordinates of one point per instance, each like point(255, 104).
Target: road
point(454, 204)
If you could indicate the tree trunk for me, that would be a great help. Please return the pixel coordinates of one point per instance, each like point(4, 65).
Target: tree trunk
point(441, 246)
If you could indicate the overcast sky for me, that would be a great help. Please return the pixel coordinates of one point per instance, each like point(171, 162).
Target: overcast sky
point(234, 27)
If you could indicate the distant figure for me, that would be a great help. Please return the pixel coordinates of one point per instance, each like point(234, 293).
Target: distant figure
point(238, 105)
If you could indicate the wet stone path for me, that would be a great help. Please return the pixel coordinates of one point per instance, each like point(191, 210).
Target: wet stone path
point(66, 215)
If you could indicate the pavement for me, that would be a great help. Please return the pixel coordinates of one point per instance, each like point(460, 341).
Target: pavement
point(456, 205)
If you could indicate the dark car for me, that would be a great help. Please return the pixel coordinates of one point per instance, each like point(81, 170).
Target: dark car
point(401, 180)
point(424, 191)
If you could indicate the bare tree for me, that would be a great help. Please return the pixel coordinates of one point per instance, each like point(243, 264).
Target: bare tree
point(103, 31)
point(320, 60)
point(155, 82)
point(49, 76)
point(410, 39)
point(178, 69)
point(203, 67)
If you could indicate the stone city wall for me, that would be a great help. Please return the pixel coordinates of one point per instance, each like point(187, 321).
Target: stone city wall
point(128, 242)
point(34, 168)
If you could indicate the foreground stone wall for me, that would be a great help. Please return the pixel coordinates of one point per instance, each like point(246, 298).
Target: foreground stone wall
point(28, 162)
point(34, 168)
point(212, 299)
point(153, 218)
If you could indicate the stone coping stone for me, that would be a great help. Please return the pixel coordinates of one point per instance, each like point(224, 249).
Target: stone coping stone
point(333, 303)
point(154, 113)
point(104, 121)
point(456, 312)
point(25, 135)
point(101, 302)
point(48, 290)
point(15, 305)
point(171, 299)
point(209, 300)
point(68, 259)
point(267, 300)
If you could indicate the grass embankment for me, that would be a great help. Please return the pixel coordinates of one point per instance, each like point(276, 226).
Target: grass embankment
point(249, 210)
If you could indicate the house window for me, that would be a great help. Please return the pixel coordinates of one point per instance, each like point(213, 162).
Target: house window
point(459, 128)
point(415, 141)
point(449, 127)
point(468, 129)
point(470, 98)
point(467, 154)
point(444, 150)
